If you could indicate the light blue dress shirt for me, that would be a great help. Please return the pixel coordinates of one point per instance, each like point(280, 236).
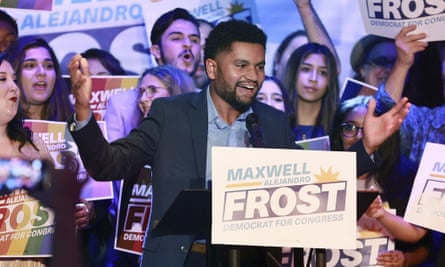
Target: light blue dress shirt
point(222, 134)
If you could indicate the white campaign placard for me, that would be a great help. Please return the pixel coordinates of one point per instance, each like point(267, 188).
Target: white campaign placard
point(386, 18)
point(283, 197)
point(426, 205)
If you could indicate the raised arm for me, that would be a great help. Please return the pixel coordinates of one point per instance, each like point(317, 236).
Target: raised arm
point(407, 44)
point(396, 225)
point(314, 28)
point(81, 86)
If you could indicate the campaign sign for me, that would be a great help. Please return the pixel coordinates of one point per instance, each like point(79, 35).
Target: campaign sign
point(426, 205)
point(73, 26)
point(106, 86)
point(103, 87)
point(133, 212)
point(283, 197)
point(26, 227)
point(386, 18)
point(28, 4)
point(59, 142)
point(368, 248)
point(316, 143)
point(352, 88)
point(372, 239)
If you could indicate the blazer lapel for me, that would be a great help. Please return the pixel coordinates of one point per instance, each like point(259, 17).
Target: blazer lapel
point(198, 118)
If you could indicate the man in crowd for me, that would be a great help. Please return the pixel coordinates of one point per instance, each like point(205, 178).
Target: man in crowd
point(8, 31)
point(175, 40)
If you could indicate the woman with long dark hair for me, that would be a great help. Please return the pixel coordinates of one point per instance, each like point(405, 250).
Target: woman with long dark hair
point(45, 92)
point(311, 78)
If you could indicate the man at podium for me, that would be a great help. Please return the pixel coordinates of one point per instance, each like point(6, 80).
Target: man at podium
point(177, 136)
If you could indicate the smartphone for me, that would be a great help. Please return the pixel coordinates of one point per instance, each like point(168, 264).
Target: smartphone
point(18, 173)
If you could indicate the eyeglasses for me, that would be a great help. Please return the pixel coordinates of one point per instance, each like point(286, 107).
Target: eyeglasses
point(381, 61)
point(349, 129)
point(152, 90)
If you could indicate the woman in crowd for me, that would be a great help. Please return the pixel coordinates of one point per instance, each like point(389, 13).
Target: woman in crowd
point(393, 178)
point(162, 81)
point(161, 77)
point(273, 93)
point(44, 93)
point(16, 141)
point(311, 79)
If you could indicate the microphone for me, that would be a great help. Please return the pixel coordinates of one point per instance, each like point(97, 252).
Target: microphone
point(255, 132)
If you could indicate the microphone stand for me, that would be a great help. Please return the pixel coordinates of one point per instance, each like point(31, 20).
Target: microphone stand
point(234, 257)
point(234, 254)
point(320, 257)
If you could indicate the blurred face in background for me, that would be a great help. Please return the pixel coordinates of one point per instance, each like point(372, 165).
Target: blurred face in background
point(443, 76)
point(270, 94)
point(96, 67)
point(7, 36)
point(280, 65)
point(150, 88)
point(9, 93)
point(200, 76)
point(38, 75)
point(352, 127)
point(312, 81)
point(378, 63)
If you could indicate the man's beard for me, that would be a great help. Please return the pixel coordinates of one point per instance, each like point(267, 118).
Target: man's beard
point(178, 58)
point(231, 98)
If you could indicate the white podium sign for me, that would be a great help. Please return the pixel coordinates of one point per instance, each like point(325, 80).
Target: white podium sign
point(426, 205)
point(283, 197)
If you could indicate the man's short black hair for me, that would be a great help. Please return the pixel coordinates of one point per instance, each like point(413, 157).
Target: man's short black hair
point(166, 19)
point(225, 33)
point(7, 18)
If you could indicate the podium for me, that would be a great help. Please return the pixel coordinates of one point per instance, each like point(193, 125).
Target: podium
point(364, 199)
point(190, 214)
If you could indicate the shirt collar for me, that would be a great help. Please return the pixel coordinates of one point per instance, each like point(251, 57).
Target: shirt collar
point(213, 114)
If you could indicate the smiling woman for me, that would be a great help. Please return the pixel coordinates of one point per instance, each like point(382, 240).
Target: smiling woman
point(45, 94)
point(15, 140)
point(273, 93)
